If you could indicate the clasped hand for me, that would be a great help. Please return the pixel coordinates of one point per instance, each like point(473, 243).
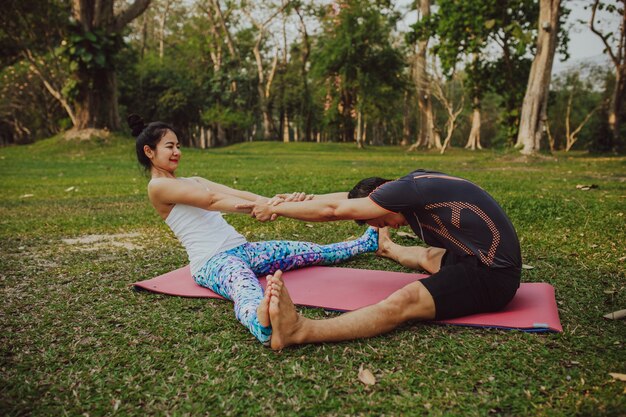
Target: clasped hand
point(288, 198)
point(261, 209)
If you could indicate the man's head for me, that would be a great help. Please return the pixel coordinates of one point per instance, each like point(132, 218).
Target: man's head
point(363, 189)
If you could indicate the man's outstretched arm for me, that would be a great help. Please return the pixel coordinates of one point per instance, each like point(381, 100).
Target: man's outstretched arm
point(319, 210)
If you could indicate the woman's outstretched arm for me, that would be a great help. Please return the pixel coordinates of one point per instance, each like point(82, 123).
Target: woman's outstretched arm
point(169, 191)
point(224, 189)
point(288, 197)
point(332, 196)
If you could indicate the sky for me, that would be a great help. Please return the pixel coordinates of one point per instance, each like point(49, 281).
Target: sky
point(584, 44)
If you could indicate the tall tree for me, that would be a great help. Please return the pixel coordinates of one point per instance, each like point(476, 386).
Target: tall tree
point(30, 30)
point(462, 30)
point(427, 132)
point(225, 58)
point(444, 93)
point(534, 110)
point(359, 65)
point(512, 32)
point(265, 76)
point(164, 10)
point(306, 110)
point(617, 53)
point(575, 100)
point(92, 47)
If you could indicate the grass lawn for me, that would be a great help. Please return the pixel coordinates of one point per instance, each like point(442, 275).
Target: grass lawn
point(75, 339)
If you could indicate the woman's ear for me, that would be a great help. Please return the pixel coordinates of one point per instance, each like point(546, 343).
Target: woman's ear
point(148, 151)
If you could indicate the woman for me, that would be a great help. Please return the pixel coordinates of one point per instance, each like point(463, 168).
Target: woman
point(220, 258)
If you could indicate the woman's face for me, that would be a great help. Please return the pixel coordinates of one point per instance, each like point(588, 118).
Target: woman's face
point(167, 153)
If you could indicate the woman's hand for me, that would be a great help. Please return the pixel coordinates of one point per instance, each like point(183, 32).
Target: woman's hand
point(277, 199)
point(260, 210)
point(289, 198)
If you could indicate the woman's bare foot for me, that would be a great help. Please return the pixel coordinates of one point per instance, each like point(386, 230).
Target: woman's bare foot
point(286, 322)
point(384, 242)
point(263, 310)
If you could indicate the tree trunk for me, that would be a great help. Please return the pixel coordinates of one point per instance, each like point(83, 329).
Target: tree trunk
point(406, 116)
point(221, 135)
point(202, 137)
point(96, 102)
point(617, 100)
point(359, 129)
point(364, 131)
point(568, 113)
point(618, 57)
point(234, 52)
point(305, 108)
point(473, 141)
point(427, 134)
point(144, 35)
point(285, 124)
point(162, 22)
point(264, 88)
point(534, 110)
point(347, 117)
point(551, 141)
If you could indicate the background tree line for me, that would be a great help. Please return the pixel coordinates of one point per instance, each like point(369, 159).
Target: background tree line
point(463, 73)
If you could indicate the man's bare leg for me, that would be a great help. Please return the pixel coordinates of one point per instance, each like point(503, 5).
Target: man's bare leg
point(412, 302)
point(414, 257)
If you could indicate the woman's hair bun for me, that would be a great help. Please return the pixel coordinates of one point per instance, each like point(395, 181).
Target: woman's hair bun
point(136, 124)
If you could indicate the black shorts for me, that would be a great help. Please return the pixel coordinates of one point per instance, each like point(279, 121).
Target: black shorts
point(465, 286)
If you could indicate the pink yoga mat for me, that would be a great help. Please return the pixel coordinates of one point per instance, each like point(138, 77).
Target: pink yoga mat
point(345, 289)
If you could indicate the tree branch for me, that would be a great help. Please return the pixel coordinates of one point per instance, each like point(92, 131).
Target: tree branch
point(601, 35)
point(97, 14)
point(53, 91)
point(262, 26)
point(270, 77)
point(584, 122)
point(127, 15)
point(234, 52)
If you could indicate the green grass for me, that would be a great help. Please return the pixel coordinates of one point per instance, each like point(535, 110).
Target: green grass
point(74, 339)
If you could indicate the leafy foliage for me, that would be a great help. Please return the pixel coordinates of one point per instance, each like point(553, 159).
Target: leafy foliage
point(90, 50)
point(352, 64)
point(357, 63)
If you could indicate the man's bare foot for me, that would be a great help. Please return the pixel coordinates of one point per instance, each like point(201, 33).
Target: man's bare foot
point(286, 322)
point(263, 310)
point(384, 242)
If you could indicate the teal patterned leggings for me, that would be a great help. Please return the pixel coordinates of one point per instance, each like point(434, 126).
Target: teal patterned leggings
point(233, 273)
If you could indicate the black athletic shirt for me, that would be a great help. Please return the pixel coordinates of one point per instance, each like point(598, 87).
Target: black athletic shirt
point(455, 214)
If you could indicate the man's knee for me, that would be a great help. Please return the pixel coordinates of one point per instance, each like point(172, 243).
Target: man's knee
point(409, 303)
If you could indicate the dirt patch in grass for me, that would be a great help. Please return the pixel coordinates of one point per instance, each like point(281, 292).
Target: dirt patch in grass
point(89, 243)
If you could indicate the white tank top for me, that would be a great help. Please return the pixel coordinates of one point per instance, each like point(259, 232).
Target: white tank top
point(203, 233)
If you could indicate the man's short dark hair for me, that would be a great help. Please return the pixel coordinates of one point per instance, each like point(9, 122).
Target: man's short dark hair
point(364, 188)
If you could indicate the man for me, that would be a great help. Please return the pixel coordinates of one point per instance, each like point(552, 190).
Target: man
point(474, 258)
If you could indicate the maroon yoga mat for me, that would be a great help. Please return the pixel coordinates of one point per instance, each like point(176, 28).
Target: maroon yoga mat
point(345, 289)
